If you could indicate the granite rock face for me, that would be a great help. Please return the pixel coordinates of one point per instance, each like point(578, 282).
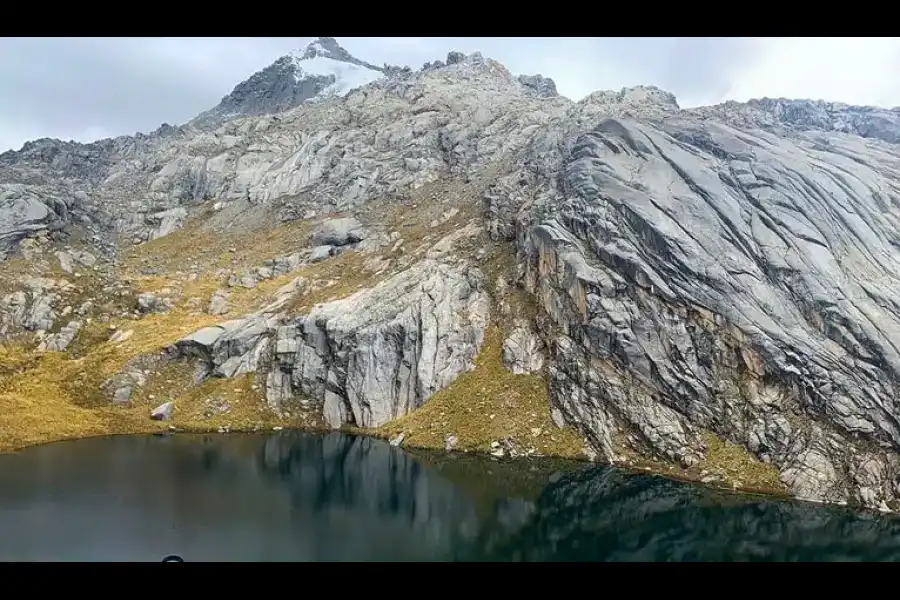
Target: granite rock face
point(25, 211)
point(703, 277)
point(365, 359)
point(727, 270)
point(522, 352)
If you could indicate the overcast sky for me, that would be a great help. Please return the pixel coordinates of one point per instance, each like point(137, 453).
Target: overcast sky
point(86, 89)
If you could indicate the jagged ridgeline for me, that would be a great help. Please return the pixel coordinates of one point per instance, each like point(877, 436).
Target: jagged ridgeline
point(460, 257)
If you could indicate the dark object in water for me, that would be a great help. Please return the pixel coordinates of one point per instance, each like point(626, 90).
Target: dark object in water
point(173, 558)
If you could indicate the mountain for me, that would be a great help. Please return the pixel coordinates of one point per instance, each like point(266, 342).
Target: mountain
point(321, 70)
point(460, 257)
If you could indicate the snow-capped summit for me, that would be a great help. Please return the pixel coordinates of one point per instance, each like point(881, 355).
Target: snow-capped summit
point(327, 47)
point(325, 58)
point(322, 69)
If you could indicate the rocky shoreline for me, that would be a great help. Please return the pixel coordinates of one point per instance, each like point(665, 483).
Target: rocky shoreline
point(157, 428)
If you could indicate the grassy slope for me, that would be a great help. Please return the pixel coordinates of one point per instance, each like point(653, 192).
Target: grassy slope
point(485, 405)
point(54, 396)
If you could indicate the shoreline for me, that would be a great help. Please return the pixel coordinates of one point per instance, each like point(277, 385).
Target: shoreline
point(167, 428)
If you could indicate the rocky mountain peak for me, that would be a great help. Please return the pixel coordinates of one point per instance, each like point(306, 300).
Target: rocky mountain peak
point(324, 52)
point(322, 69)
point(325, 47)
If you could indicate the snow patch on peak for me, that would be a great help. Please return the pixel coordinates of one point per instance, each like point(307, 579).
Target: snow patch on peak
point(323, 70)
point(346, 75)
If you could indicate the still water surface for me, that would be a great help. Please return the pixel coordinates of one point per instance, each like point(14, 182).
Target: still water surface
point(299, 497)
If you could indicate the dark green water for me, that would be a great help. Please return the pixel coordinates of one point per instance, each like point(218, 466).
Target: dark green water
point(297, 497)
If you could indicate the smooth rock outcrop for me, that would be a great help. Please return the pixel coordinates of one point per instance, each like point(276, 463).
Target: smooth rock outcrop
point(163, 412)
point(59, 341)
point(365, 359)
point(22, 213)
point(152, 303)
point(218, 303)
point(337, 232)
point(696, 272)
point(320, 253)
point(522, 350)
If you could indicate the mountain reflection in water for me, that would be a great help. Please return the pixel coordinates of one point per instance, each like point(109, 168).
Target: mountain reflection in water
point(300, 497)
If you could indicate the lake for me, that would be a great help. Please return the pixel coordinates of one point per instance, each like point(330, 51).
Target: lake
point(292, 496)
